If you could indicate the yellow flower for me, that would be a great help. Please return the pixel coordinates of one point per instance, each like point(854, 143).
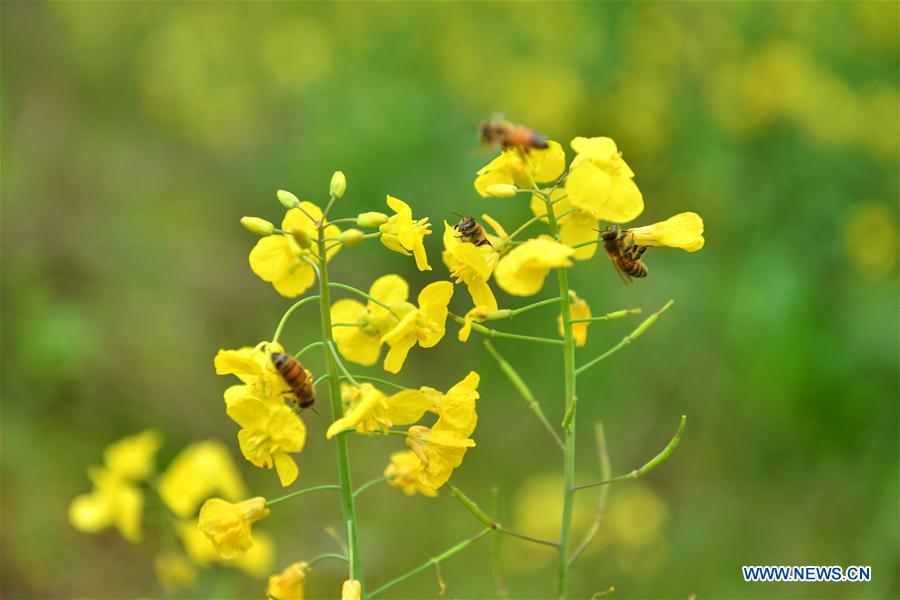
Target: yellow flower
point(578, 309)
point(199, 471)
point(199, 548)
point(132, 457)
point(574, 228)
point(600, 183)
point(683, 231)
point(477, 314)
point(351, 590)
point(405, 471)
point(253, 367)
point(279, 259)
point(457, 407)
point(522, 272)
point(113, 501)
point(473, 265)
point(174, 571)
point(256, 562)
point(288, 585)
point(228, 525)
point(362, 345)
point(425, 324)
point(404, 234)
point(521, 168)
point(440, 448)
point(369, 410)
point(268, 433)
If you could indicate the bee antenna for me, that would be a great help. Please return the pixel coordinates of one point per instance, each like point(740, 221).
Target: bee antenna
point(457, 214)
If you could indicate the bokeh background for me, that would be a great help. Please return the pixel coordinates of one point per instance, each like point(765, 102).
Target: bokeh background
point(135, 135)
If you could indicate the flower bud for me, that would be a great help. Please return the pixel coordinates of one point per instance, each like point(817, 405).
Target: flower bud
point(352, 237)
point(371, 219)
point(302, 238)
point(501, 190)
point(287, 199)
point(257, 226)
point(338, 184)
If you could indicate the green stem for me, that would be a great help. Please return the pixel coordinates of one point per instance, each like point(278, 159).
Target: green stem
point(605, 473)
point(377, 380)
point(288, 313)
point(493, 333)
point(562, 575)
point(306, 349)
point(431, 562)
point(616, 314)
point(649, 465)
point(524, 390)
point(341, 220)
point(337, 411)
point(349, 324)
point(341, 365)
point(627, 339)
point(317, 488)
point(490, 522)
point(496, 560)
point(320, 557)
point(358, 292)
point(534, 220)
point(367, 485)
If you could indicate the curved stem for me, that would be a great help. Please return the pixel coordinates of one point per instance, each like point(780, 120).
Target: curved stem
point(493, 333)
point(649, 465)
point(288, 313)
point(616, 314)
point(340, 364)
point(562, 275)
point(317, 488)
point(306, 349)
point(376, 380)
point(431, 562)
point(337, 411)
point(358, 292)
point(320, 557)
point(367, 485)
point(605, 473)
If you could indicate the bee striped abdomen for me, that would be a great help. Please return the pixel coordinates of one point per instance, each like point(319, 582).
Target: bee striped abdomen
point(298, 379)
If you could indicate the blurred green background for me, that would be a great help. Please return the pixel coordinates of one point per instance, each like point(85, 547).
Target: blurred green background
point(135, 135)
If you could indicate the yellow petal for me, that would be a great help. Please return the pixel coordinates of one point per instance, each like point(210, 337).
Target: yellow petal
point(576, 228)
point(605, 196)
point(683, 231)
point(406, 407)
point(351, 590)
point(249, 412)
point(299, 278)
point(133, 457)
point(389, 289)
point(396, 356)
point(271, 257)
point(548, 163)
point(289, 584)
point(285, 467)
point(523, 270)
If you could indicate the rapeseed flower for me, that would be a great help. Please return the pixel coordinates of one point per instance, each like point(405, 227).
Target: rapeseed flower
point(351, 590)
point(523, 270)
point(113, 502)
point(521, 168)
point(457, 407)
point(362, 344)
point(424, 324)
point(404, 234)
point(256, 562)
point(578, 309)
point(289, 584)
point(405, 473)
point(201, 470)
point(477, 314)
point(281, 260)
point(253, 367)
point(269, 432)
point(228, 526)
point(440, 448)
point(684, 230)
point(600, 183)
point(369, 410)
point(473, 265)
point(132, 457)
point(575, 227)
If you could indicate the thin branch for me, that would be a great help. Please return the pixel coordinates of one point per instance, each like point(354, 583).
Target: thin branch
point(340, 363)
point(494, 525)
point(627, 339)
point(493, 333)
point(524, 391)
point(317, 488)
point(605, 473)
point(307, 348)
point(496, 561)
point(323, 556)
point(376, 380)
point(648, 466)
point(288, 313)
point(367, 485)
point(616, 314)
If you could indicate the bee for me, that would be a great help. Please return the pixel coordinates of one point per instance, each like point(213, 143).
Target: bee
point(470, 231)
point(624, 254)
point(298, 378)
point(499, 132)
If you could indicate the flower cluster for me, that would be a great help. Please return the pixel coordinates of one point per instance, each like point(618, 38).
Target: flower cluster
point(270, 430)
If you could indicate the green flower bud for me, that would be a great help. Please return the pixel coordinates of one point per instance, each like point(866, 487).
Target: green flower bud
point(371, 219)
point(338, 184)
point(501, 190)
point(302, 238)
point(352, 237)
point(287, 199)
point(257, 226)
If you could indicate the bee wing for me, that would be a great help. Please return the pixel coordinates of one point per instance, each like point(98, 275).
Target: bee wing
point(622, 274)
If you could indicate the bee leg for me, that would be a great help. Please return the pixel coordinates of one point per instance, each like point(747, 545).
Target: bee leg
point(640, 251)
point(483, 242)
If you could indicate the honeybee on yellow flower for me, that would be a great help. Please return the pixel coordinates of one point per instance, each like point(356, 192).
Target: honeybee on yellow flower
point(624, 253)
point(471, 231)
point(297, 377)
point(497, 131)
